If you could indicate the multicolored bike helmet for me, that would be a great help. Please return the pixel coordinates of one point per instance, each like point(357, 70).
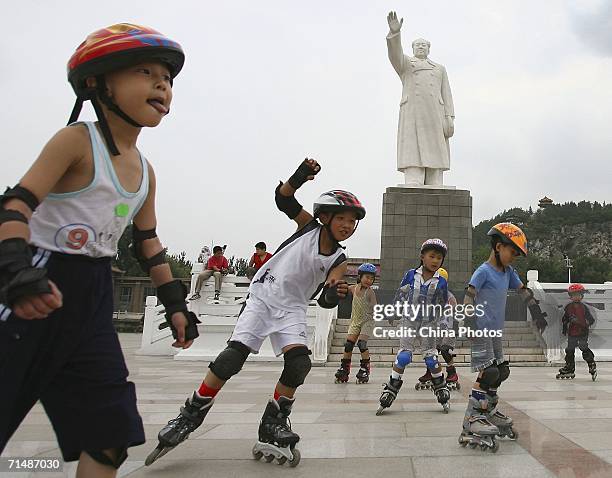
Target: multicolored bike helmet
point(576, 289)
point(113, 48)
point(510, 234)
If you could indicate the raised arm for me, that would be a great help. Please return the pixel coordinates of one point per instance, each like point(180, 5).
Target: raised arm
point(394, 42)
point(285, 192)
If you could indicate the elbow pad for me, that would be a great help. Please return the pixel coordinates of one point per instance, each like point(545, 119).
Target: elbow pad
point(287, 204)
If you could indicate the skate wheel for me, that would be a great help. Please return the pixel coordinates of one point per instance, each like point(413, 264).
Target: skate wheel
point(495, 446)
point(594, 376)
point(416, 387)
point(473, 445)
point(154, 455)
point(380, 410)
point(269, 458)
point(458, 386)
point(512, 434)
point(445, 408)
point(281, 460)
point(462, 442)
point(257, 454)
point(296, 458)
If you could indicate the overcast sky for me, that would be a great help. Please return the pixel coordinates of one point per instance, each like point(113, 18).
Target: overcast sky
point(267, 83)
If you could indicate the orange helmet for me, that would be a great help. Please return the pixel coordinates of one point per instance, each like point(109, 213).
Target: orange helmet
point(510, 234)
point(576, 289)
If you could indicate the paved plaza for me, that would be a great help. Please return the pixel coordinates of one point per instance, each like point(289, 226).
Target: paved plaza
point(565, 426)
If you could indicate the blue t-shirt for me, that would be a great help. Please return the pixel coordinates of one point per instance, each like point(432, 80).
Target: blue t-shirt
point(491, 293)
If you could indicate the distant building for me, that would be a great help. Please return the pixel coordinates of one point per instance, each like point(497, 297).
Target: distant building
point(545, 202)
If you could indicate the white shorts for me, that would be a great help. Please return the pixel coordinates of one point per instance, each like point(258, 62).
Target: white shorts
point(258, 321)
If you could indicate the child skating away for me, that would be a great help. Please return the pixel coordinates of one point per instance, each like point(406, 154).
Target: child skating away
point(422, 288)
point(310, 262)
point(59, 230)
point(445, 345)
point(361, 326)
point(487, 291)
point(576, 320)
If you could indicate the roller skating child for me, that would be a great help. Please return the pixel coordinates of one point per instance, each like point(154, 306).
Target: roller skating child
point(445, 346)
point(89, 183)
point(487, 290)
point(420, 287)
point(361, 326)
point(577, 318)
point(310, 261)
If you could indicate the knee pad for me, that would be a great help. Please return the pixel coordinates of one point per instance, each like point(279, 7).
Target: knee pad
point(230, 361)
point(445, 351)
point(363, 345)
point(297, 366)
point(349, 346)
point(504, 373)
point(404, 357)
point(490, 377)
point(588, 355)
point(104, 459)
point(431, 360)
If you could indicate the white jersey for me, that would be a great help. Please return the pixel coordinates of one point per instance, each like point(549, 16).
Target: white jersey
point(296, 272)
point(89, 221)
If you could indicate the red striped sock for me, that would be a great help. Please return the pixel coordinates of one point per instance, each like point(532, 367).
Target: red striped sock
point(206, 391)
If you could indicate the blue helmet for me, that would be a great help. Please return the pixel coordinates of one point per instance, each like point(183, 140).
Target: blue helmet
point(366, 268)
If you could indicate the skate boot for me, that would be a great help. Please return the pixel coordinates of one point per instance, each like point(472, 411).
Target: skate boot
point(593, 370)
point(502, 422)
point(178, 429)
point(342, 374)
point(452, 379)
point(477, 430)
point(363, 375)
point(276, 440)
point(441, 392)
point(389, 393)
point(424, 382)
point(566, 372)
point(216, 295)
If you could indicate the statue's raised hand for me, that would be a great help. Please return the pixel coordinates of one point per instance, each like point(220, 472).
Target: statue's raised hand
point(395, 25)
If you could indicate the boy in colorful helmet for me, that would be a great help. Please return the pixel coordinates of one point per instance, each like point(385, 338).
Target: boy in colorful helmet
point(422, 287)
point(487, 290)
point(445, 346)
point(576, 320)
point(361, 326)
point(55, 262)
point(309, 263)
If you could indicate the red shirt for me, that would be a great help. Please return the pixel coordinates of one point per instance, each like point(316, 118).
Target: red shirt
point(579, 310)
point(220, 262)
point(258, 261)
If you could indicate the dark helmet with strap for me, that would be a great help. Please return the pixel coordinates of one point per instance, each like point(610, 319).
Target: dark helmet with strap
point(110, 49)
point(337, 201)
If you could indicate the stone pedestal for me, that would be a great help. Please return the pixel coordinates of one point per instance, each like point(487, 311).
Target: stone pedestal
point(412, 215)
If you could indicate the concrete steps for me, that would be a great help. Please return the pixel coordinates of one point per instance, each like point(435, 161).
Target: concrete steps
point(520, 346)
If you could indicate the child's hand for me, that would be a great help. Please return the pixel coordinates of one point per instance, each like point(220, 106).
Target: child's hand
point(39, 306)
point(180, 322)
point(305, 172)
point(341, 287)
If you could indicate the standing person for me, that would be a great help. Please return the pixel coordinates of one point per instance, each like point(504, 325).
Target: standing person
point(577, 318)
point(361, 326)
point(59, 230)
point(488, 290)
point(421, 287)
point(310, 262)
point(216, 266)
point(258, 259)
point(445, 345)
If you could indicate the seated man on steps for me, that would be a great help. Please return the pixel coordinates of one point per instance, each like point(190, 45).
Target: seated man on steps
point(217, 266)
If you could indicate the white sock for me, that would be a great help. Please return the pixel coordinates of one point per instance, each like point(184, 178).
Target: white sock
point(396, 375)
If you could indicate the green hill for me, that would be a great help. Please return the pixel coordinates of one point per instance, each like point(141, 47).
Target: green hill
point(583, 231)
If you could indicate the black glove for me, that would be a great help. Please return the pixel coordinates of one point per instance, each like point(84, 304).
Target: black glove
point(301, 174)
point(18, 279)
point(538, 317)
point(172, 295)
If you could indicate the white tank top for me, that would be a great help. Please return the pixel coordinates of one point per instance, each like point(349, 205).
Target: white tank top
point(89, 221)
point(296, 272)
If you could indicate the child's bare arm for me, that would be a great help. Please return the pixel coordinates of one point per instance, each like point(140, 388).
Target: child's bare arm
point(24, 288)
point(285, 199)
point(151, 256)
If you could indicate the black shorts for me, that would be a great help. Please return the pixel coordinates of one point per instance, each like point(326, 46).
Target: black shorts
point(72, 362)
